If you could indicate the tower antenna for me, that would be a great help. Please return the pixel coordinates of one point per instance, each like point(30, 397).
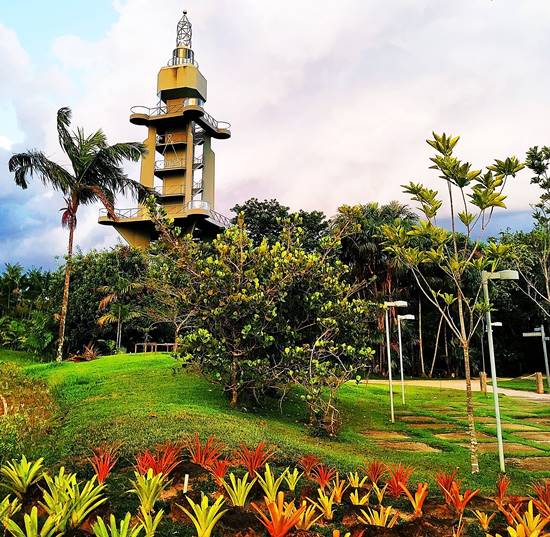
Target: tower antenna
point(185, 32)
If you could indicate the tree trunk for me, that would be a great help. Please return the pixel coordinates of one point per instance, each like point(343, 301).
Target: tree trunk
point(470, 410)
point(65, 302)
point(118, 332)
point(233, 383)
point(436, 346)
point(420, 343)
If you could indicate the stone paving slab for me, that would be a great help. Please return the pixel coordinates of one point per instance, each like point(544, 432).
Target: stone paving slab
point(386, 435)
point(509, 447)
point(542, 436)
point(418, 419)
point(433, 426)
point(532, 464)
point(461, 436)
point(420, 447)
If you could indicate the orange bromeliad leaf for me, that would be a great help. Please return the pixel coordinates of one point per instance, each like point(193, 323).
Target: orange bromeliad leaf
point(252, 459)
point(282, 516)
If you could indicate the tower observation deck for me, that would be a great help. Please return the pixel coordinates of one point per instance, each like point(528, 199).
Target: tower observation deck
point(179, 164)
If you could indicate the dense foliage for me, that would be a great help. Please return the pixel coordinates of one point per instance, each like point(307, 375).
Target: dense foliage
point(261, 318)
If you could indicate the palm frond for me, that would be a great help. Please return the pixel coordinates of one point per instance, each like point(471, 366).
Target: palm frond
point(66, 138)
point(35, 164)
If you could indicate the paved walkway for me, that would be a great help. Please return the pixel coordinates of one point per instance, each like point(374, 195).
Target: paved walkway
point(459, 384)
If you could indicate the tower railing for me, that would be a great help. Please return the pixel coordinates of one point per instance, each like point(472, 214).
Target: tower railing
point(170, 190)
point(164, 109)
point(182, 61)
point(142, 212)
point(176, 163)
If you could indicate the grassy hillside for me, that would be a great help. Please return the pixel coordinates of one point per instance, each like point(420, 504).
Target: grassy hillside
point(139, 400)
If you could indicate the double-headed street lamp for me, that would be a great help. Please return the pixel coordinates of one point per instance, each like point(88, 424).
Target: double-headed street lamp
point(485, 277)
point(387, 305)
point(407, 317)
point(539, 332)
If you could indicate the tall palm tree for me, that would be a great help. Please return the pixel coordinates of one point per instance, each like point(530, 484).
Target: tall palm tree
point(96, 175)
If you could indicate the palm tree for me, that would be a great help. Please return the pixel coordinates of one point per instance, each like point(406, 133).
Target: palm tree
point(116, 299)
point(96, 175)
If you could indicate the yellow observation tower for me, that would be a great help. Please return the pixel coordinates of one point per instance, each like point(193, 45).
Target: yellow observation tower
point(179, 164)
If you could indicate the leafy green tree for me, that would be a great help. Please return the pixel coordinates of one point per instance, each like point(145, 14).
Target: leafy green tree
point(459, 255)
point(265, 220)
point(266, 317)
point(96, 175)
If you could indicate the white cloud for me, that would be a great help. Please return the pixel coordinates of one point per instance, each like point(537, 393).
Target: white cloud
point(330, 102)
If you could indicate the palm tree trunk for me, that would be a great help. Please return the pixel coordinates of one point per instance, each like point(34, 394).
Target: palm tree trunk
point(65, 302)
point(470, 411)
point(118, 331)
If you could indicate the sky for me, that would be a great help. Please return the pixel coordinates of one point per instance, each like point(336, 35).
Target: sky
point(330, 102)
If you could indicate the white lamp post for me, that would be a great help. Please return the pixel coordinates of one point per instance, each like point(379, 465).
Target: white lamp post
point(407, 317)
point(387, 305)
point(539, 332)
point(485, 277)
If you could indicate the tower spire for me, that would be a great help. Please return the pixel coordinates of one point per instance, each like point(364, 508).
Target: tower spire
point(185, 32)
point(183, 53)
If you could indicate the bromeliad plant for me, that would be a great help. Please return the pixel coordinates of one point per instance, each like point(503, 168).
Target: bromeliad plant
point(219, 469)
point(417, 501)
point(292, 478)
point(239, 489)
point(269, 483)
point(69, 504)
point(338, 487)
point(322, 475)
point(254, 459)
point(399, 477)
point(31, 528)
point(123, 529)
point(204, 455)
point(18, 476)
point(307, 463)
point(375, 471)
point(204, 516)
point(148, 488)
point(8, 508)
point(103, 460)
point(355, 481)
point(308, 518)
point(282, 516)
point(542, 500)
point(385, 517)
point(357, 499)
point(484, 519)
point(148, 523)
point(163, 460)
point(324, 503)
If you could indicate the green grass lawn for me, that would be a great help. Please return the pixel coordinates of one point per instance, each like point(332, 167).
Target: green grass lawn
point(137, 399)
point(527, 385)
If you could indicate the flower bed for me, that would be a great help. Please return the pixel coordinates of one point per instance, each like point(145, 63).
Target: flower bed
point(196, 485)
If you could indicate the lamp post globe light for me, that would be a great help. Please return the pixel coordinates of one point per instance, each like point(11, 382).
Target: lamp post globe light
point(485, 277)
point(387, 306)
point(406, 317)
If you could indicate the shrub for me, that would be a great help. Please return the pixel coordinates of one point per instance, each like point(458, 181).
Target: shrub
point(375, 470)
point(307, 463)
point(270, 485)
point(162, 461)
point(325, 504)
point(148, 488)
point(30, 526)
point(399, 477)
point(322, 475)
point(239, 489)
point(123, 529)
point(103, 461)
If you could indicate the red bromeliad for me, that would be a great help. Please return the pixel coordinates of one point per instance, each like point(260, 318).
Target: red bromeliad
point(219, 469)
point(445, 481)
point(457, 500)
point(252, 459)
point(375, 470)
point(322, 475)
point(399, 477)
point(163, 461)
point(307, 463)
point(542, 501)
point(103, 461)
point(206, 455)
